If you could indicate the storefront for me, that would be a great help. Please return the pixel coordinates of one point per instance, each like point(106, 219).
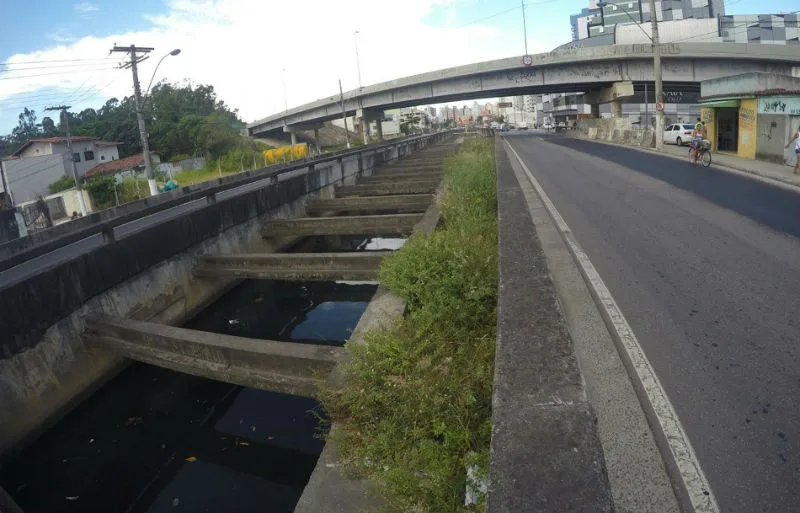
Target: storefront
point(752, 115)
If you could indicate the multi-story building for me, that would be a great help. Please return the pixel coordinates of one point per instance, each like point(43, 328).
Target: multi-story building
point(603, 20)
point(777, 29)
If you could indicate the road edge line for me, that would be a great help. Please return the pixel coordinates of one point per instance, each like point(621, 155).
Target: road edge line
point(692, 486)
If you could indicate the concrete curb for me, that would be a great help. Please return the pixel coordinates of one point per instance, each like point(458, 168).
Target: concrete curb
point(689, 482)
point(746, 173)
point(546, 453)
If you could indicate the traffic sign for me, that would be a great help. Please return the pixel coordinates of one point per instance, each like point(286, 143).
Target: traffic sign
point(660, 106)
point(527, 60)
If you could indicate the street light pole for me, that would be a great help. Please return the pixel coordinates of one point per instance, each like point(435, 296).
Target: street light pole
point(137, 96)
point(524, 26)
point(658, 75)
point(344, 115)
point(358, 63)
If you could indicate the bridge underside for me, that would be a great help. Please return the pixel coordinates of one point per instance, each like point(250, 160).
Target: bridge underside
point(589, 70)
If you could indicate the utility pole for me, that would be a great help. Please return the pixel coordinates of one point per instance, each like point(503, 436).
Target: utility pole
point(344, 115)
point(358, 62)
point(524, 26)
point(135, 59)
point(657, 72)
point(65, 120)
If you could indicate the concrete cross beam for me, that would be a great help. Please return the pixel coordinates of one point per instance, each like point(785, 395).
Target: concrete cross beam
point(385, 189)
point(400, 204)
point(293, 266)
point(345, 225)
point(266, 364)
point(617, 91)
point(432, 180)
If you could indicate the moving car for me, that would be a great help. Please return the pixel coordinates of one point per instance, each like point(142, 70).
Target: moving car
point(522, 125)
point(679, 134)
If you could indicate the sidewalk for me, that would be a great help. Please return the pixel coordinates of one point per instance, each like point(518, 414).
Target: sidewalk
point(766, 170)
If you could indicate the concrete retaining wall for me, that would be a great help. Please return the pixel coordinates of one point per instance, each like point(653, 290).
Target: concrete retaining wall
point(45, 368)
point(618, 130)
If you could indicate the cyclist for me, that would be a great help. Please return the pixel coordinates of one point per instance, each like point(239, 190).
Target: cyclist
point(698, 135)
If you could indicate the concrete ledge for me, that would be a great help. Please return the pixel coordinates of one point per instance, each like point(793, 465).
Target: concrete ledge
point(546, 455)
point(266, 364)
point(401, 204)
point(344, 225)
point(386, 189)
point(417, 176)
point(294, 266)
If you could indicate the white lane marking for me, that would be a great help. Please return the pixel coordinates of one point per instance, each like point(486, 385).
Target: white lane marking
point(691, 474)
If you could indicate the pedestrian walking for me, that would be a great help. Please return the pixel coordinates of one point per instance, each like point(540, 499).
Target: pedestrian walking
point(796, 141)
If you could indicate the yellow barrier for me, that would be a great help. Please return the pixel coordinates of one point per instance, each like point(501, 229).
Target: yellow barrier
point(286, 153)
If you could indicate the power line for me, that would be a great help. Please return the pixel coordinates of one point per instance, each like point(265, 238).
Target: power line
point(9, 70)
point(58, 60)
point(56, 73)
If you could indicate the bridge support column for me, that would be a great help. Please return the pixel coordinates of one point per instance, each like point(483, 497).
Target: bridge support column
point(365, 129)
point(316, 141)
point(294, 138)
point(293, 130)
point(379, 129)
point(616, 109)
point(612, 95)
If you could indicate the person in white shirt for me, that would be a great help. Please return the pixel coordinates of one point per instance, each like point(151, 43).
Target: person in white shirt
point(796, 141)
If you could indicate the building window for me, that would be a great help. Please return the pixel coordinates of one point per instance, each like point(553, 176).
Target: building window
point(76, 157)
point(102, 157)
point(88, 155)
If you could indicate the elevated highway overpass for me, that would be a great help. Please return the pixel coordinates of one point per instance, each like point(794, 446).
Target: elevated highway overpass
point(574, 70)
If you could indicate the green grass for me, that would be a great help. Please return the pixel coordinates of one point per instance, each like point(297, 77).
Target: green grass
point(416, 408)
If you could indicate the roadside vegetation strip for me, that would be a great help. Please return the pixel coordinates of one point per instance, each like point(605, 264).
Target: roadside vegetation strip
point(415, 411)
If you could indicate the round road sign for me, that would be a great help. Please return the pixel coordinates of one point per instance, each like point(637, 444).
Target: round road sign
point(660, 106)
point(527, 60)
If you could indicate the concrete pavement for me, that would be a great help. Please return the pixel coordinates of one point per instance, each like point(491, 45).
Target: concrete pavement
point(705, 265)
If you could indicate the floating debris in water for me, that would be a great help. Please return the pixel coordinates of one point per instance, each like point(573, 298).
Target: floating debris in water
point(191, 459)
point(73, 497)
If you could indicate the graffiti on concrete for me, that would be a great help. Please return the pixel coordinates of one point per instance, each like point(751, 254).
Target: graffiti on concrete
point(781, 105)
point(773, 106)
point(521, 77)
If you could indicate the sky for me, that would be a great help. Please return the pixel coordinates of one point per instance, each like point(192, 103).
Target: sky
point(247, 49)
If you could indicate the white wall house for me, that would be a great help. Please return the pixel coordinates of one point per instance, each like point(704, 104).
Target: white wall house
point(39, 162)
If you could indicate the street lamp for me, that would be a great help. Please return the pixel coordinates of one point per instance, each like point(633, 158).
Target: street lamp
point(173, 53)
point(358, 64)
point(657, 71)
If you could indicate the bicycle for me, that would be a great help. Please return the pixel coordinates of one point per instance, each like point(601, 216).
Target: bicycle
point(703, 153)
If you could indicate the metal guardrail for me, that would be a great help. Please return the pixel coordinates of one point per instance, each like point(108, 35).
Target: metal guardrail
point(96, 230)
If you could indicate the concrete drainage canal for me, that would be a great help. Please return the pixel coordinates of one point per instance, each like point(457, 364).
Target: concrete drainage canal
point(219, 414)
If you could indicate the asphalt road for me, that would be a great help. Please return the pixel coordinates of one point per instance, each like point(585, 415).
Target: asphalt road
point(705, 265)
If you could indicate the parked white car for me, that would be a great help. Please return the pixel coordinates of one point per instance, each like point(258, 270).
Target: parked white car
point(678, 134)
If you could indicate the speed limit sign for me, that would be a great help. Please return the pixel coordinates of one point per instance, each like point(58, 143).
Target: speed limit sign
point(660, 106)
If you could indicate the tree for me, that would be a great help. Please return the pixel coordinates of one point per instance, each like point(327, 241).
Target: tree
point(26, 127)
point(49, 127)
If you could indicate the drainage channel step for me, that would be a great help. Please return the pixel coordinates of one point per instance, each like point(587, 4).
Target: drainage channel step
point(293, 266)
point(390, 178)
point(343, 225)
point(266, 364)
point(400, 203)
point(385, 189)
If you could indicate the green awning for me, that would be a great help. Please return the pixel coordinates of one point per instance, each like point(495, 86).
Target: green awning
point(720, 103)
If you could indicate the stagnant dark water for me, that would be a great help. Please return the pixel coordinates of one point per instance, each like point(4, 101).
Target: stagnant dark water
point(153, 440)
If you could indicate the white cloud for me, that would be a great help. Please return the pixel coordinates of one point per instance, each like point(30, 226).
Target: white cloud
point(61, 35)
point(240, 47)
point(85, 8)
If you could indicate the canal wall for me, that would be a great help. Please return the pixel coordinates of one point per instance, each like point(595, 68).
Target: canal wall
point(45, 368)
